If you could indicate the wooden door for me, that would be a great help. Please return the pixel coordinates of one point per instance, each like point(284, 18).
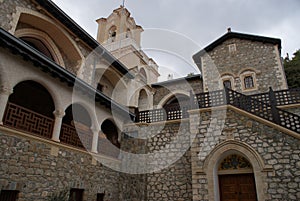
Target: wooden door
point(237, 187)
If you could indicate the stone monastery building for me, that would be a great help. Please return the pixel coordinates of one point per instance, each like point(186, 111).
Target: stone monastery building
point(89, 117)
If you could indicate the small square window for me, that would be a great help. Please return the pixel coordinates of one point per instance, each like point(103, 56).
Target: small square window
point(227, 84)
point(232, 48)
point(100, 196)
point(76, 194)
point(249, 83)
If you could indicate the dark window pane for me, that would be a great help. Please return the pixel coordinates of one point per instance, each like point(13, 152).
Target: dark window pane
point(9, 195)
point(227, 84)
point(248, 82)
point(76, 194)
point(100, 197)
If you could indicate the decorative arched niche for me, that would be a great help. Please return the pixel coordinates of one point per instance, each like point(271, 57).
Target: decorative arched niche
point(32, 20)
point(42, 42)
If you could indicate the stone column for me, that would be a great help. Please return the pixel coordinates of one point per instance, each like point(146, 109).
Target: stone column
point(4, 95)
point(59, 114)
point(96, 132)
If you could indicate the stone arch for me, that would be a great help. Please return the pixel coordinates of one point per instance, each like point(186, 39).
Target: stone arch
point(248, 69)
point(227, 77)
point(111, 131)
point(45, 39)
point(165, 99)
point(30, 108)
point(112, 83)
point(76, 126)
point(109, 144)
point(227, 74)
point(226, 148)
point(112, 33)
point(34, 96)
point(128, 33)
point(60, 36)
point(50, 88)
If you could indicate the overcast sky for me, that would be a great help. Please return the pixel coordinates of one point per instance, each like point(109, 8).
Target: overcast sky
point(193, 24)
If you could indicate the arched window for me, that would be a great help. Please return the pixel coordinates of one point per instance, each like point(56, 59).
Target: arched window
point(38, 45)
point(143, 74)
point(176, 100)
point(111, 132)
point(76, 126)
point(128, 33)
point(248, 80)
point(143, 100)
point(109, 146)
point(227, 84)
point(112, 34)
point(30, 108)
point(177, 106)
point(227, 81)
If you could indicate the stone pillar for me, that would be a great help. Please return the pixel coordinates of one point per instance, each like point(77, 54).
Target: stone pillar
point(59, 114)
point(4, 95)
point(96, 132)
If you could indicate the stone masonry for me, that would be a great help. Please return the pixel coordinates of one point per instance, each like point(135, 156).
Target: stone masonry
point(38, 169)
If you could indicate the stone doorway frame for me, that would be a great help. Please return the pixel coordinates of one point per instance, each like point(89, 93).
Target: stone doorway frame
point(225, 149)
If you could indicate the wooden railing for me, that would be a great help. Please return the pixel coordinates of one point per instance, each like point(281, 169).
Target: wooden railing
point(262, 105)
point(280, 98)
point(23, 119)
point(267, 111)
point(29, 121)
point(210, 99)
point(77, 137)
point(171, 112)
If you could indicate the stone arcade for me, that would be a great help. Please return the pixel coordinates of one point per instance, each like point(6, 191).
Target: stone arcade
point(70, 103)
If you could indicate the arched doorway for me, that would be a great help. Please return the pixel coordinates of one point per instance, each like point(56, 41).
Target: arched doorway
point(109, 145)
point(111, 132)
point(30, 108)
point(236, 179)
point(177, 106)
point(76, 126)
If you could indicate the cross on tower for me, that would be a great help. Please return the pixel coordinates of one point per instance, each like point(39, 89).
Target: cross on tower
point(123, 3)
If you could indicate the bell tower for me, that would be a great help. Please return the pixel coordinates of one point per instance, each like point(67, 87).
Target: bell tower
point(120, 35)
point(117, 27)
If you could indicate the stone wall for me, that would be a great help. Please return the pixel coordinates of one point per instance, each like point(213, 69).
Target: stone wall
point(38, 169)
point(9, 21)
point(279, 152)
point(168, 170)
point(8, 9)
point(263, 58)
